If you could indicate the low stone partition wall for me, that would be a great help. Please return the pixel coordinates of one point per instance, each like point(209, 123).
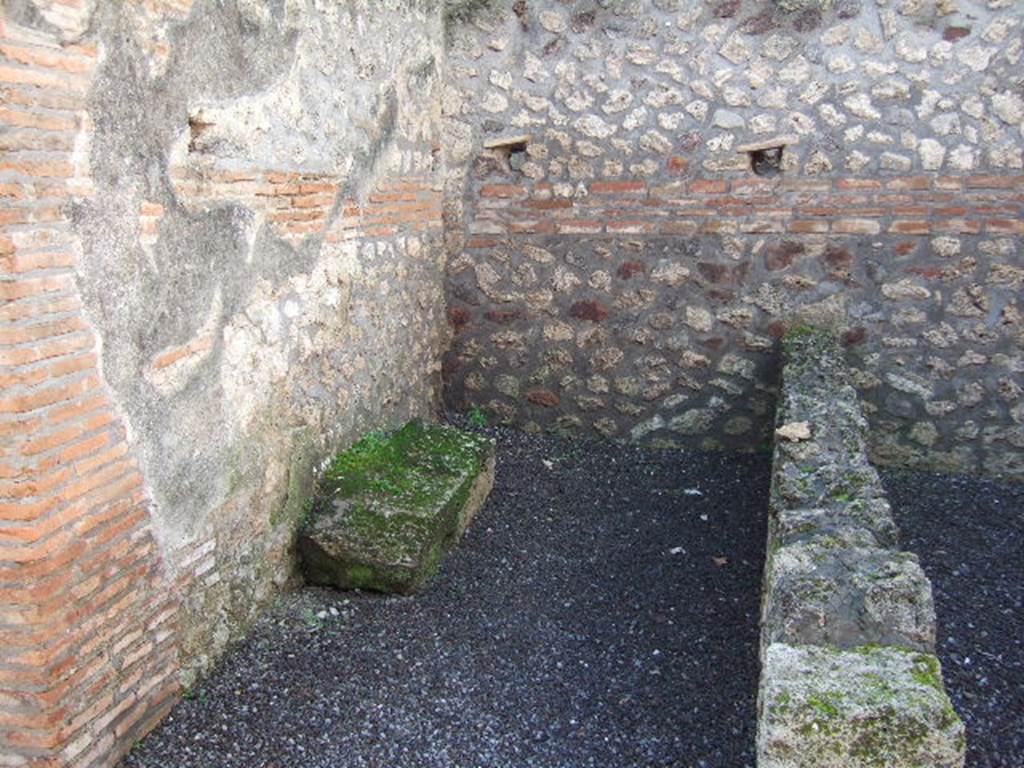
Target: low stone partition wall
point(848, 675)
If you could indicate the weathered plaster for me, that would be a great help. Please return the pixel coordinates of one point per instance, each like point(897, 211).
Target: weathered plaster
point(244, 342)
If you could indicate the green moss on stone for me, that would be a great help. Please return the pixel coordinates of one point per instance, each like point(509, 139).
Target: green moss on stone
point(391, 506)
point(410, 467)
point(301, 481)
point(801, 337)
point(927, 671)
point(880, 712)
point(823, 706)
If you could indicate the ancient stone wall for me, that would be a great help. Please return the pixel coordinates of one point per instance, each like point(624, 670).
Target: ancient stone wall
point(643, 196)
point(220, 261)
point(848, 667)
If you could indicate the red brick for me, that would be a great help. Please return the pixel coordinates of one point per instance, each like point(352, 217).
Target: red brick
point(379, 231)
point(856, 227)
point(911, 227)
point(36, 551)
point(907, 210)
point(37, 331)
point(79, 408)
point(750, 187)
point(377, 197)
point(312, 201)
point(993, 182)
point(570, 226)
point(817, 186)
point(818, 210)
point(45, 168)
point(552, 204)
point(65, 60)
point(19, 263)
point(34, 485)
point(708, 186)
point(22, 377)
point(858, 184)
point(295, 215)
point(961, 226)
point(532, 227)
point(719, 227)
point(40, 398)
point(632, 227)
point(1005, 226)
point(618, 187)
point(19, 289)
point(761, 226)
point(910, 182)
point(800, 226)
point(678, 227)
point(93, 453)
point(503, 191)
point(865, 212)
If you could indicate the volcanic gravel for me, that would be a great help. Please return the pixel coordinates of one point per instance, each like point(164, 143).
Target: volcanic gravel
point(969, 534)
point(600, 611)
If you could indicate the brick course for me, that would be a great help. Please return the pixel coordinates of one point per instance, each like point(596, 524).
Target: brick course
point(643, 206)
point(79, 570)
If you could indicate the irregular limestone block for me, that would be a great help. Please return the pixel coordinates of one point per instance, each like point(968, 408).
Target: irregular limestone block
point(817, 388)
point(838, 413)
point(867, 707)
point(392, 506)
point(857, 523)
point(830, 478)
point(817, 593)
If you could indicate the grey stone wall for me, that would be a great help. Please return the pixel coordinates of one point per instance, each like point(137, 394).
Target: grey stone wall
point(262, 258)
point(623, 270)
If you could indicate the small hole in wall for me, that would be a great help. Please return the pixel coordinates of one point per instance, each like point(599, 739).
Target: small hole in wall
point(196, 127)
point(766, 162)
point(511, 148)
point(517, 156)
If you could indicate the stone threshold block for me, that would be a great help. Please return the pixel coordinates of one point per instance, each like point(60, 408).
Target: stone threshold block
point(821, 592)
point(867, 707)
point(392, 506)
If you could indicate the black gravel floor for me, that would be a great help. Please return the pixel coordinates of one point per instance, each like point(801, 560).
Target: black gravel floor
point(969, 534)
point(601, 611)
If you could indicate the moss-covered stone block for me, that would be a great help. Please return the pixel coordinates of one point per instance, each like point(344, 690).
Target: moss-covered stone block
point(867, 707)
point(393, 505)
